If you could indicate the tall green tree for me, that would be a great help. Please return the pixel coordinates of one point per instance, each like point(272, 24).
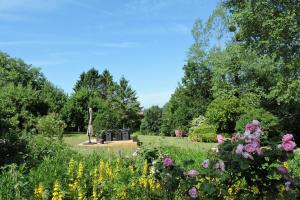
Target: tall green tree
point(271, 28)
point(128, 105)
point(152, 120)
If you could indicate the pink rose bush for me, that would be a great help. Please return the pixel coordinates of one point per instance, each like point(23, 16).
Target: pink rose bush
point(288, 143)
point(179, 133)
point(244, 166)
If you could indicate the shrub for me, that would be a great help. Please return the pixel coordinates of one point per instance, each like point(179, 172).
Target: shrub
point(105, 120)
point(51, 126)
point(223, 113)
point(294, 165)
point(12, 182)
point(202, 131)
point(267, 119)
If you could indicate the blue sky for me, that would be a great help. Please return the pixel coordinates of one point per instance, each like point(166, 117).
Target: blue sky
point(144, 40)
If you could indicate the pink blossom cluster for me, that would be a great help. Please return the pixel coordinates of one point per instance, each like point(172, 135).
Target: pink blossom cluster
point(287, 143)
point(220, 138)
point(193, 193)
point(192, 173)
point(168, 162)
point(178, 133)
point(252, 141)
point(220, 166)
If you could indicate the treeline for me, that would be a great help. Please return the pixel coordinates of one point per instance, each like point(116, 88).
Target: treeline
point(244, 64)
point(29, 103)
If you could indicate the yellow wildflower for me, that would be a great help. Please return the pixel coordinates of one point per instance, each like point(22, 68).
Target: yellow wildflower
point(57, 194)
point(145, 168)
point(71, 169)
point(80, 170)
point(286, 165)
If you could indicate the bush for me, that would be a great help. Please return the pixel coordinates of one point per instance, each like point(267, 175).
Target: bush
point(51, 126)
point(204, 132)
point(267, 119)
point(105, 120)
point(294, 165)
point(223, 113)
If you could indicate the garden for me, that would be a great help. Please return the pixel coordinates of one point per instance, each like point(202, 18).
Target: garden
point(230, 130)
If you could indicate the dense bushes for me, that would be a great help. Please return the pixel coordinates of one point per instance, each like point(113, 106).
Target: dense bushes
point(202, 131)
point(51, 126)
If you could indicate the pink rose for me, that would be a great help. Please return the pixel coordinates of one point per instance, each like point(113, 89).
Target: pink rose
point(192, 173)
point(288, 146)
point(282, 170)
point(220, 138)
point(220, 166)
point(168, 162)
point(287, 137)
point(239, 149)
point(193, 193)
point(205, 164)
point(252, 146)
point(251, 127)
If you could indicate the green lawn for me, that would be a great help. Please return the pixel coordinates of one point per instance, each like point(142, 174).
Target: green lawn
point(178, 148)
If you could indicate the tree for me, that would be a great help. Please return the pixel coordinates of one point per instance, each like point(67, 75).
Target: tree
point(127, 105)
point(89, 80)
point(271, 28)
point(152, 120)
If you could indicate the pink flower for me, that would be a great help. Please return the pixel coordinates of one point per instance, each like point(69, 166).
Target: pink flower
point(252, 146)
point(193, 193)
point(287, 137)
point(251, 127)
point(168, 162)
point(220, 138)
point(193, 173)
point(239, 149)
point(220, 166)
point(205, 164)
point(282, 170)
point(178, 133)
point(288, 146)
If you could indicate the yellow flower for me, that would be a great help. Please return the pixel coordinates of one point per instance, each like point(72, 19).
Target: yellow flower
point(145, 168)
point(71, 169)
point(80, 195)
point(80, 170)
point(286, 165)
point(122, 195)
point(36, 193)
point(57, 194)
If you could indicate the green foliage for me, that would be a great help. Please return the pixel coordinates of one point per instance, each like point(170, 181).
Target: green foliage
point(223, 113)
point(97, 91)
point(51, 126)
point(106, 119)
point(12, 182)
point(294, 165)
point(203, 132)
point(152, 120)
point(267, 119)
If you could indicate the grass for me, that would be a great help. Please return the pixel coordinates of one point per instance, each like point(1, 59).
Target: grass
point(180, 149)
